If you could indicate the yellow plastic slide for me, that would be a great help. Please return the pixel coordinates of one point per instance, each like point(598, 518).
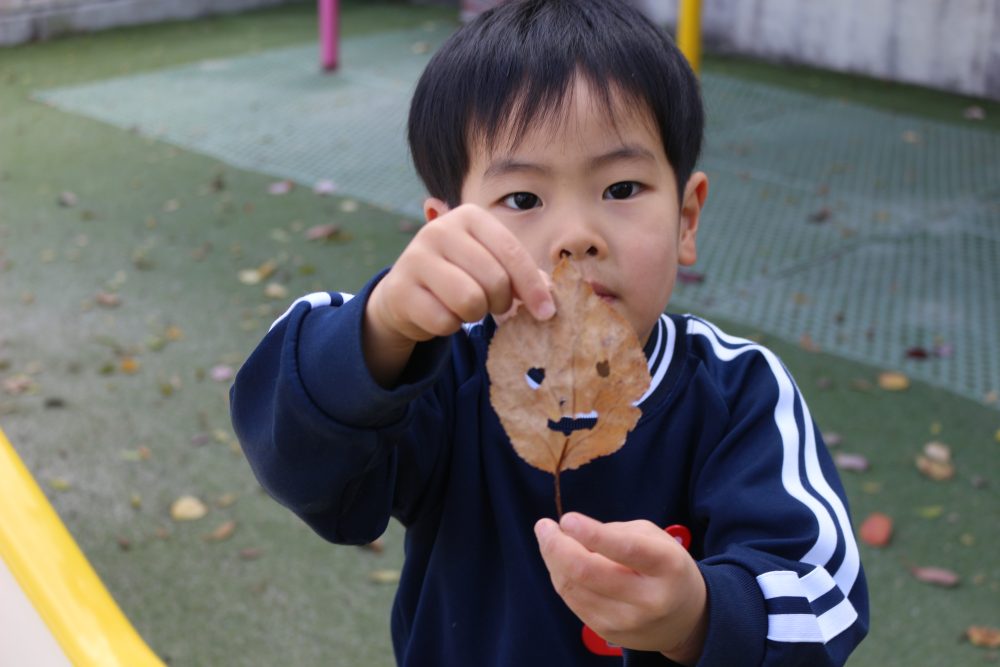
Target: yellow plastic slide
point(54, 610)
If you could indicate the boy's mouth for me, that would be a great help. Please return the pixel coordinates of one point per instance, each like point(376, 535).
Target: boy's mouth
point(601, 291)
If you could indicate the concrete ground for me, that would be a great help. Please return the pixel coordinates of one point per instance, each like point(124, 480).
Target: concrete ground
point(853, 226)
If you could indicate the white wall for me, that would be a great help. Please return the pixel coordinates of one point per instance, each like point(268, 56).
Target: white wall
point(949, 44)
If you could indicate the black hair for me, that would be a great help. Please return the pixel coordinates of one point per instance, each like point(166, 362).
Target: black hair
point(515, 64)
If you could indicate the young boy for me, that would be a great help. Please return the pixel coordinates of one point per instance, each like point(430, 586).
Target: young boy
point(549, 129)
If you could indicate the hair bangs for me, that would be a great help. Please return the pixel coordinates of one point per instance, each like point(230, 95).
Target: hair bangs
point(515, 67)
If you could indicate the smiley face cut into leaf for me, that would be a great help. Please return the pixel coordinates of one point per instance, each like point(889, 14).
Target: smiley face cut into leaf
point(565, 389)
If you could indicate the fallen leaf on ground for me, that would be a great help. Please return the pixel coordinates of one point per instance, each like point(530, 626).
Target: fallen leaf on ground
point(108, 299)
point(936, 576)
point(275, 291)
point(983, 636)
point(129, 365)
point(822, 215)
point(222, 373)
point(221, 532)
point(833, 439)
point(930, 512)
point(280, 188)
point(251, 553)
point(893, 381)
point(349, 206)
point(20, 384)
point(375, 546)
point(545, 377)
point(689, 277)
point(974, 112)
point(807, 343)
point(919, 353)
point(325, 187)
point(851, 462)
point(384, 576)
point(60, 484)
point(939, 471)
point(67, 199)
point(937, 451)
point(876, 530)
point(327, 232)
point(862, 385)
point(225, 500)
point(187, 508)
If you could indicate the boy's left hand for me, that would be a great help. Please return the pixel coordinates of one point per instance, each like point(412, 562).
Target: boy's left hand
point(631, 582)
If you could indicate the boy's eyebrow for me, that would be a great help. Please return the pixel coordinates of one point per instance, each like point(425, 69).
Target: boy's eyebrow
point(624, 153)
point(621, 154)
point(509, 166)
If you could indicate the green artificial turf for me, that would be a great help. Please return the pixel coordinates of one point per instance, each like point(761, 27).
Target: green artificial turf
point(169, 232)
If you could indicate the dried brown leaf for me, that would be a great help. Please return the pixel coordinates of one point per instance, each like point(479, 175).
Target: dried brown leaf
point(384, 576)
point(221, 532)
point(937, 576)
point(984, 636)
point(939, 471)
point(851, 462)
point(876, 530)
point(326, 232)
point(893, 381)
point(592, 363)
point(187, 508)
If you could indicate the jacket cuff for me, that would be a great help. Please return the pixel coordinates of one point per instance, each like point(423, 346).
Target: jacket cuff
point(737, 618)
point(334, 374)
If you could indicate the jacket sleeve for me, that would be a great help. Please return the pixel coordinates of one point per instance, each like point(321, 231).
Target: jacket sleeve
point(779, 557)
point(322, 437)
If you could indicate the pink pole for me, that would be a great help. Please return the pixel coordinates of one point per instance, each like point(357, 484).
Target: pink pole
point(329, 33)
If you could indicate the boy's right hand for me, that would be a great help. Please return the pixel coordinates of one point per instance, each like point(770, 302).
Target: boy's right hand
point(458, 268)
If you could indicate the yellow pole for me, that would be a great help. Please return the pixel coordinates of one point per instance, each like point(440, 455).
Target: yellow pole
point(689, 32)
point(57, 578)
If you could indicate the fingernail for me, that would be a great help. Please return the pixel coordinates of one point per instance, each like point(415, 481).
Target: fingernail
point(543, 528)
point(571, 522)
point(546, 310)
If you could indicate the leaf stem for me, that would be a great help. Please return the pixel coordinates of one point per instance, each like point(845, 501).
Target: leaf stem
point(557, 474)
point(559, 511)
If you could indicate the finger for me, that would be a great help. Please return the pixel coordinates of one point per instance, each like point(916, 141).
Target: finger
point(457, 291)
point(427, 317)
point(529, 285)
point(575, 570)
point(471, 256)
point(638, 545)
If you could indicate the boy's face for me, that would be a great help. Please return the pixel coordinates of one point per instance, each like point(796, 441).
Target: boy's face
point(601, 191)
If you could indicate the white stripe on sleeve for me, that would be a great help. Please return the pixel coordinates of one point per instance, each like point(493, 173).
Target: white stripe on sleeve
point(818, 582)
point(314, 300)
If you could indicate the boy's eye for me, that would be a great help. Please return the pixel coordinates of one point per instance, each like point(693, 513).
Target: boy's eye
point(622, 190)
point(522, 201)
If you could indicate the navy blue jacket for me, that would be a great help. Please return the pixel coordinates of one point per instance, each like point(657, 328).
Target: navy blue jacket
point(725, 446)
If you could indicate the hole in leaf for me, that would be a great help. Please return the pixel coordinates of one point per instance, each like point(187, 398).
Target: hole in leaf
point(567, 425)
point(603, 368)
point(534, 377)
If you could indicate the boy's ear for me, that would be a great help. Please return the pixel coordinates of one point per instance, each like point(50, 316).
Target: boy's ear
point(695, 193)
point(433, 208)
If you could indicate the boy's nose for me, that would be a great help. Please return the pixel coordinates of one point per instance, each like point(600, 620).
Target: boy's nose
point(591, 251)
point(578, 240)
